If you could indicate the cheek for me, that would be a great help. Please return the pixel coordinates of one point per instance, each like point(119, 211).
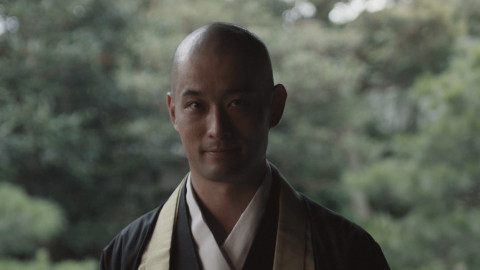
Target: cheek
point(255, 124)
point(190, 132)
point(254, 130)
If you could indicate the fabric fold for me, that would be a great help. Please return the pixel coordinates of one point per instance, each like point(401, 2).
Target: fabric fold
point(157, 252)
point(293, 242)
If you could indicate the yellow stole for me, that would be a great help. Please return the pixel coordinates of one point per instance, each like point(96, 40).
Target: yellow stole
point(293, 247)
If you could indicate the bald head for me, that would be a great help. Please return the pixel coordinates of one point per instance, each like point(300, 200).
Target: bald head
point(222, 40)
point(223, 104)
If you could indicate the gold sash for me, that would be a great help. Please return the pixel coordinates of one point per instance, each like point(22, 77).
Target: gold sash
point(157, 253)
point(294, 244)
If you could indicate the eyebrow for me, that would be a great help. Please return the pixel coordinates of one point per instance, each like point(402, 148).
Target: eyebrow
point(229, 92)
point(190, 92)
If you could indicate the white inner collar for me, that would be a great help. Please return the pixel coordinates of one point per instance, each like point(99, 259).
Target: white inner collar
point(233, 253)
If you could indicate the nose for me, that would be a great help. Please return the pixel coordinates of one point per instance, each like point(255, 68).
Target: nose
point(219, 126)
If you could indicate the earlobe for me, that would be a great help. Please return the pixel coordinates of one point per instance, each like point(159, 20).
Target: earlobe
point(171, 110)
point(278, 104)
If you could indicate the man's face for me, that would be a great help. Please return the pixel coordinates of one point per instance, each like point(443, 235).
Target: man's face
point(223, 112)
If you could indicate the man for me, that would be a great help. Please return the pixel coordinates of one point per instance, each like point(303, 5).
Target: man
point(234, 210)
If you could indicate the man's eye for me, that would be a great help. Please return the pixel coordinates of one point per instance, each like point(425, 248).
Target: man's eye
point(238, 102)
point(194, 105)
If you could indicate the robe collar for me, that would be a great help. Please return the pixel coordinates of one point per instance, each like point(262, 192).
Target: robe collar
point(231, 254)
point(293, 241)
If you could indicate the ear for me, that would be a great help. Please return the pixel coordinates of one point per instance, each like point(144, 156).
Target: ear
point(171, 110)
point(278, 104)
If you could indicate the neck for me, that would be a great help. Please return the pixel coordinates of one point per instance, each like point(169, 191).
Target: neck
point(222, 203)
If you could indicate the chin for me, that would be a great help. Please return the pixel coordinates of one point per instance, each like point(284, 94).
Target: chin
point(222, 173)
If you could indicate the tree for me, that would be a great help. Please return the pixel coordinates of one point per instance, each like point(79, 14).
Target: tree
point(68, 130)
point(426, 194)
point(26, 223)
point(401, 43)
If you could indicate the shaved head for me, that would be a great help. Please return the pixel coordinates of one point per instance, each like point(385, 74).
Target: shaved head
point(223, 103)
point(219, 40)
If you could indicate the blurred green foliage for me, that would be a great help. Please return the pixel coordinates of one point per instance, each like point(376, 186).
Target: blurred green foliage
point(381, 120)
point(42, 261)
point(25, 221)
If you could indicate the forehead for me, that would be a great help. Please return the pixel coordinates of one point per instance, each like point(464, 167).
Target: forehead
point(210, 71)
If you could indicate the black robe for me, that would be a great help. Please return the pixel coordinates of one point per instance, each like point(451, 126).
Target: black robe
point(337, 242)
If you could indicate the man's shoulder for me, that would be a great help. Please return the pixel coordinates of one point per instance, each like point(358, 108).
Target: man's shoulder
point(139, 226)
point(345, 242)
point(329, 220)
point(126, 246)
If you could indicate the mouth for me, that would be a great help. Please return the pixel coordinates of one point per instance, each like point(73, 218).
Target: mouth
point(221, 152)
